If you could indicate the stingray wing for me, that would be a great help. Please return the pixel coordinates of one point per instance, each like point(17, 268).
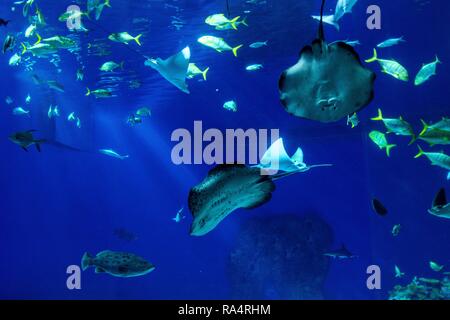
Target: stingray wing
point(327, 83)
point(225, 189)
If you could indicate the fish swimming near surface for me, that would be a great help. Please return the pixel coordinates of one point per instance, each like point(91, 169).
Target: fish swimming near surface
point(426, 72)
point(342, 7)
point(30, 30)
point(220, 21)
point(440, 206)
point(391, 42)
point(225, 189)
point(378, 207)
point(111, 66)
point(218, 44)
point(118, 264)
point(4, 23)
point(15, 60)
point(341, 253)
point(58, 42)
point(229, 26)
point(328, 82)
point(144, 112)
point(98, 6)
point(397, 126)
point(42, 50)
point(113, 154)
point(174, 69)
point(379, 138)
point(390, 67)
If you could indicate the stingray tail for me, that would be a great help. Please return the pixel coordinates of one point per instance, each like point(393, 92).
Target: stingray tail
point(379, 117)
point(374, 58)
point(235, 49)
point(204, 73)
point(320, 165)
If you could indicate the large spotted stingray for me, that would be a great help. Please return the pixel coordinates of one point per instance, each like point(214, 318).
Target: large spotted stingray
point(226, 188)
point(327, 83)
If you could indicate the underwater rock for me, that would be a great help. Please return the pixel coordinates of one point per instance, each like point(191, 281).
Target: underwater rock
point(280, 258)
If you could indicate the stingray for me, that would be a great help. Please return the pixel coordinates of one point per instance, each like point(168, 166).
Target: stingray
point(227, 187)
point(276, 159)
point(327, 83)
point(174, 68)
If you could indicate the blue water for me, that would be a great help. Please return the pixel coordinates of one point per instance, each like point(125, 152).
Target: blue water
point(58, 204)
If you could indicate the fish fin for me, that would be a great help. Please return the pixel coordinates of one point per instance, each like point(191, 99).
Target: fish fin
point(38, 146)
point(440, 199)
point(99, 270)
point(388, 149)
point(86, 261)
point(374, 58)
point(88, 93)
point(421, 153)
point(25, 149)
point(107, 3)
point(233, 22)
point(437, 60)
point(235, 49)
point(244, 21)
point(204, 73)
point(379, 117)
point(137, 39)
point(39, 39)
point(24, 48)
point(425, 128)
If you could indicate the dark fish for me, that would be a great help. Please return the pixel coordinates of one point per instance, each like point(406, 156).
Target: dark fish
point(118, 264)
point(440, 207)
point(4, 22)
point(328, 82)
point(341, 253)
point(9, 43)
point(225, 189)
point(440, 199)
point(25, 139)
point(124, 234)
point(378, 207)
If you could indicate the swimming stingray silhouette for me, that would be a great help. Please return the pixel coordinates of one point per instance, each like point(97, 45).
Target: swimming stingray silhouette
point(328, 82)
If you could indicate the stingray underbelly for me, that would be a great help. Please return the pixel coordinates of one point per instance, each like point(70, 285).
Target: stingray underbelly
point(326, 87)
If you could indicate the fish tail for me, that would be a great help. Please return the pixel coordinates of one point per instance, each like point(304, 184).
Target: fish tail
point(233, 22)
point(421, 153)
point(388, 149)
point(88, 93)
point(107, 3)
point(122, 64)
point(425, 128)
point(87, 15)
point(39, 38)
point(24, 48)
point(137, 39)
point(244, 22)
point(124, 157)
point(86, 261)
point(437, 60)
point(413, 139)
point(266, 43)
point(235, 49)
point(379, 117)
point(374, 58)
point(204, 73)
